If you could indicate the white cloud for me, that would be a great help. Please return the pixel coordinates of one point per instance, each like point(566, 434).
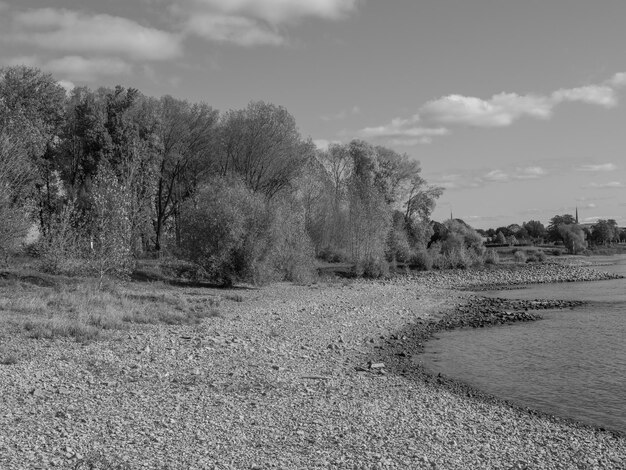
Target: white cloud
point(235, 29)
point(280, 11)
point(599, 167)
point(502, 109)
point(531, 172)
point(252, 22)
point(65, 30)
point(406, 132)
point(618, 80)
point(496, 176)
point(498, 111)
point(609, 185)
point(600, 95)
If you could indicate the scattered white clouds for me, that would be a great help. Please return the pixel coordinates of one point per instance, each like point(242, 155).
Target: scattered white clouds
point(70, 31)
point(496, 176)
point(279, 11)
point(252, 22)
point(600, 95)
point(75, 67)
point(406, 132)
point(498, 111)
point(233, 29)
point(609, 185)
point(531, 172)
point(618, 80)
point(598, 168)
point(502, 109)
point(465, 179)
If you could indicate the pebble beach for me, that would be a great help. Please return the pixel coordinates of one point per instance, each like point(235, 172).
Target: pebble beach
point(291, 377)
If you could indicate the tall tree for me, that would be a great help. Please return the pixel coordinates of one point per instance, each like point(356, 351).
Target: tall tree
point(535, 229)
point(554, 234)
point(261, 145)
point(188, 135)
point(32, 111)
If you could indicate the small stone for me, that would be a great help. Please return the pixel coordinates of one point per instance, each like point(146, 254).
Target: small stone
point(377, 365)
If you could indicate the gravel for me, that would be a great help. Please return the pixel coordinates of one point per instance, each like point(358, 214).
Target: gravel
point(287, 377)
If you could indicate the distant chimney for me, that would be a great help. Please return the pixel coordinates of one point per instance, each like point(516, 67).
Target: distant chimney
point(577, 215)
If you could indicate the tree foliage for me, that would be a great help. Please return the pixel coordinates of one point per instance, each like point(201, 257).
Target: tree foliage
point(110, 175)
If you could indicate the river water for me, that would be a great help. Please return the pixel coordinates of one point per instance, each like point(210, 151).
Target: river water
point(571, 363)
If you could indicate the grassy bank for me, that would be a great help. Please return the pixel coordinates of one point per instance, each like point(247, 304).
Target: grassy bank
point(42, 306)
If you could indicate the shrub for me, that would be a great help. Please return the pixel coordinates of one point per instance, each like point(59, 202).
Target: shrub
point(220, 230)
point(292, 255)
point(422, 260)
point(332, 254)
point(491, 257)
point(108, 249)
point(59, 251)
point(232, 234)
point(519, 256)
point(372, 267)
point(536, 256)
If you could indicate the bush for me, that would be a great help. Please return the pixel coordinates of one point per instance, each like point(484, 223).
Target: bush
point(422, 260)
point(332, 254)
point(234, 235)
point(292, 255)
point(491, 257)
point(372, 267)
point(519, 256)
point(536, 256)
point(60, 251)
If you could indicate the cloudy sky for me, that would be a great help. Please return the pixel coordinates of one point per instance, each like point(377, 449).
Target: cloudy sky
point(517, 108)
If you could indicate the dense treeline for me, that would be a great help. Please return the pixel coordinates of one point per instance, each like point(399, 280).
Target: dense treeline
point(562, 229)
point(111, 175)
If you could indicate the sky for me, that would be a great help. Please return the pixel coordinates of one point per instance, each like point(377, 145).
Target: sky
point(516, 108)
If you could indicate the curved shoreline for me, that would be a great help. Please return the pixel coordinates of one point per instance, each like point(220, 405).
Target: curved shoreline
point(476, 311)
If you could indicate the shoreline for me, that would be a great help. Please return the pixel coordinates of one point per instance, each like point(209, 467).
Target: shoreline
point(476, 311)
point(286, 376)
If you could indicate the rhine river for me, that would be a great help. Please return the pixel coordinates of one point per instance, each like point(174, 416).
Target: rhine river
point(572, 363)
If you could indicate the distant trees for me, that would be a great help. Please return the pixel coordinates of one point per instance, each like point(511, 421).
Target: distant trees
point(535, 229)
point(605, 232)
point(553, 231)
point(500, 238)
point(573, 237)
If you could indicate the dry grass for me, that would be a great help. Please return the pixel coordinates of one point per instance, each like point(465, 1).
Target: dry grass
point(84, 312)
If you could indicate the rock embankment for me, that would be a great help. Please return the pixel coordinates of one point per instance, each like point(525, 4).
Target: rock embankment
point(511, 276)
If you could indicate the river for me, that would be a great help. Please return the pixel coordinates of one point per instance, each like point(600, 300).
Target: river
point(571, 363)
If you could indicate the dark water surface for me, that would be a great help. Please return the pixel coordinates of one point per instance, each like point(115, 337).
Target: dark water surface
point(572, 363)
